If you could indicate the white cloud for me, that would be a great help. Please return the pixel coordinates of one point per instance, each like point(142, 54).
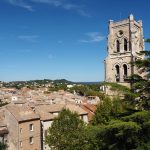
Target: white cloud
point(29, 38)
point(83, 13)
point(20, 3)
point(64, 4)
point(70, 6)
point(55, 3)
point(92, 37)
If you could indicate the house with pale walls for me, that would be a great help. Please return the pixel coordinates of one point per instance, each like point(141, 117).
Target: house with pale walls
point(93, 100)
point(46, 120)
point(47, 114)
point(24, 128)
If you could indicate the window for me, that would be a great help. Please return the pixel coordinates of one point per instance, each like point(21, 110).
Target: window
point(82, 117)
point(31, 140)
point(118, 46)
point(31, 127)
point(125, 69)
point(125, 44)
point(20, 143)
point(117, 73)
point(120, 32)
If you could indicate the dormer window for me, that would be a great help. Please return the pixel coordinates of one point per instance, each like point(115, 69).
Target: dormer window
point(125, 44)
point(118, 45)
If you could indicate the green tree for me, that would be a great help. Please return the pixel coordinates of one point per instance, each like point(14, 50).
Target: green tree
point(3, 146)
point(119, 128)
point(80, 89)
point(124, 133)
point(119, 135)
point(141, 84)
point(142, 118)
point(144, 146)
point(67, 132)
point(118, 107)
point(103, 112)
point(90, 136)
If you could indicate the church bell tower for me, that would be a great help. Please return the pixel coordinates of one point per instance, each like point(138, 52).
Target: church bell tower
point(125, 40)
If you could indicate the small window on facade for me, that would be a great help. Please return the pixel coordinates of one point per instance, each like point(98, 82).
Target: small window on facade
point(117, 73)
point(31, 140)
point(125, 68)
point(118, 46)
point(120, 32)
point(31, 127)
point(82, 117)
point(125, 45)
point(20, 143)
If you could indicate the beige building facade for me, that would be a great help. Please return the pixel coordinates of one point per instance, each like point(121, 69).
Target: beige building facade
point(24, 128)
point(125, 40)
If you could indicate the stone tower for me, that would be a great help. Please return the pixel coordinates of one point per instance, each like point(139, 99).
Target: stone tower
point(125, 40)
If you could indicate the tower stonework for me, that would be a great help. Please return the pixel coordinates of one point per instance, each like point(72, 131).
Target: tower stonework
point(125, 41)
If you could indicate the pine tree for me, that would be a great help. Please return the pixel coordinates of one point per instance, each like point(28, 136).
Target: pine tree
point(141, 84)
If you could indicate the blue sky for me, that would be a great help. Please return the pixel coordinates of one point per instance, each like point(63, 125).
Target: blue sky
point(55, 39)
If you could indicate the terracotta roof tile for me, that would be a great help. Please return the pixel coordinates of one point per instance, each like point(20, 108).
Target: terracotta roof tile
point(22, 113)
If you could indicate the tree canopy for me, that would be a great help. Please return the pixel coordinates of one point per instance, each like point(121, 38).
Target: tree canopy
point(141, 83)
point(66, 132)
point(3, 146)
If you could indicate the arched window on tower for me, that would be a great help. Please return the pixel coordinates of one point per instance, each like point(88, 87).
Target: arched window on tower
point(117, 73)
point(125, 71)
point(118, 45)
point(125, 45)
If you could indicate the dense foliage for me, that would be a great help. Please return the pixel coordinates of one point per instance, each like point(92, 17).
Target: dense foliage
point(141, 83)
point(88, 90)
point(3, 146)
point(66, 132)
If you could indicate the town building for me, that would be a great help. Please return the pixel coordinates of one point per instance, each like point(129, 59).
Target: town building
point(24, 128)
point(47, 114)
